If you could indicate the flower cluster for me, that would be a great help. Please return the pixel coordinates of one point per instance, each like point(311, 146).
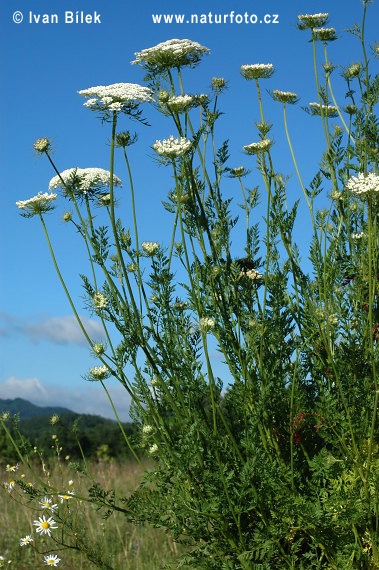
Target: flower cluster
point(99, 372)
point(252, 274)
point(362, 185)
point(171, 147)
point(262, 146)
point(311, 21)
point(42, 145)
point(39, 204)
point(257, 71)
point(150, 247)
point(206, 324)
point(99, 300)
point(327, 110)
point(218, 82)
point(284, 96)
point(180, 102)
point(171, 53)
point(83, 180)
point(116, 97)
point(325, 34)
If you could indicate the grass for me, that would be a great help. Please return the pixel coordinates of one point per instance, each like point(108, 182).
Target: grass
point(122, 544)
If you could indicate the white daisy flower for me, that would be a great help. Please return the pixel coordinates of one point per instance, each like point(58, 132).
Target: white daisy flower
point(51, 560)
point(25, 541)
point(44, 526)
point(12, 468)
point(69, 495)
point(48, 504)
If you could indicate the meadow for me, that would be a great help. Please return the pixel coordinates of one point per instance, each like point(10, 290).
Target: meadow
point(123, 545)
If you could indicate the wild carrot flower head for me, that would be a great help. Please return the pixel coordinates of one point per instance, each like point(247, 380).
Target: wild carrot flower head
point(82, 181)
point(39, 204)
point(284, 96)
point(25, 541)
point(325, 34)
point(206, 324)
point(327, 110)
point(54, 419)
point(42, 145)
point(351, 109)
point(119, 97)
point(44, 525)
point(150, 247)
point(153, 449)
point(171, 53)
point(180, 103)
point(257, 71)
point(255, 148)
point(352, 71)
point(99, 300)
point(171, 147)
point(218, 82)
point(362, 185)
point(147, 429)
point(306, 21)
point(99, 373)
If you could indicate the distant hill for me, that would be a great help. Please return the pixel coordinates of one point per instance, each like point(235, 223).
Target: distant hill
point(99, 437)
point(28, 410)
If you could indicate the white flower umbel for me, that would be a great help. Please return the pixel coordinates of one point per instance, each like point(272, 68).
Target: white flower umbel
point(206, 324)
point(99, 372)
point(84, 179)
point(26, 541)
point(171, 147)
point(252, 274)
point(171, 53)
point(180, 103)
point(257, 71)
point(153, 449)
point(48, 504)
point(362, 185)
point(312, 20)
point(116, 97)
point(327, 110)
point(284, 96)
point(261, 146)
point(51, 560)
point(325, 34)
point(147, 429)
point(39, 204)
point(150, 247)
point(99, 300)
point(44, 525)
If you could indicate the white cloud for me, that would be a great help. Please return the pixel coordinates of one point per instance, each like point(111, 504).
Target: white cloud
point(89, 399)
point(64, 330)
point(60, 330)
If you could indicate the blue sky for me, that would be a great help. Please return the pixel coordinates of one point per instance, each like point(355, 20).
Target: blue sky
point(43, 356)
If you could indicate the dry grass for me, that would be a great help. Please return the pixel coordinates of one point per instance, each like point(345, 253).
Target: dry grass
point(120, 543)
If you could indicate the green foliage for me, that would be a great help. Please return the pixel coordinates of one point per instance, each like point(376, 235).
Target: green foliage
point(280, 468)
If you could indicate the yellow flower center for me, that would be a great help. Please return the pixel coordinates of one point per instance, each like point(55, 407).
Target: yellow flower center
point(45, 524)
point(47, 504)
point(12, 482)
